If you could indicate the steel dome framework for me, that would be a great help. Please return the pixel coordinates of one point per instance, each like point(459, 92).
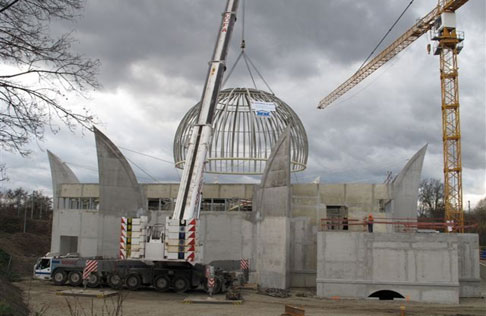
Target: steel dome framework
point(242, 140)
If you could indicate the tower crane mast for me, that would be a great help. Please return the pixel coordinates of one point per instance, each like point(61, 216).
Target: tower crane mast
point(441, 21)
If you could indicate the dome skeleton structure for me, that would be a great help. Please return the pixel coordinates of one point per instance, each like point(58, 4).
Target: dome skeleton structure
point(242, 138)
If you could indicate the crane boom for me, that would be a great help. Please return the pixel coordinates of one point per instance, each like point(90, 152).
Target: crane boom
point(421, 27)
point(191, 181)
point(442, 19)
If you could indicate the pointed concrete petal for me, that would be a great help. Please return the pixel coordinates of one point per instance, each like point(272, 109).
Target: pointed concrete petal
point(60, 173)
point(272, 198)
point(120, 193)
point(405, 187)
point(277, 168)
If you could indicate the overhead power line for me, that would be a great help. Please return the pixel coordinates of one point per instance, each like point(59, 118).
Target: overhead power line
point(386, 34)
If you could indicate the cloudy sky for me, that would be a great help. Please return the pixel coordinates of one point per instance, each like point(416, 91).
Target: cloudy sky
point(155, 55)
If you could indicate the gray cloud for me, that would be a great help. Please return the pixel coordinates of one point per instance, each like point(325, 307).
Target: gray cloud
point(155, 54)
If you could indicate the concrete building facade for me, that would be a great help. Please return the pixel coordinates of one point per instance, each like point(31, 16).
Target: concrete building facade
point(238, 220)
point(427, 267)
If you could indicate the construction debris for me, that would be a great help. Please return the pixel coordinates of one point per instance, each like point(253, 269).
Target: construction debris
point(276, 292)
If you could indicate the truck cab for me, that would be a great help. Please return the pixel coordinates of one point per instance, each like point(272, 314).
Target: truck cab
point(42, 268)
point(45, 265)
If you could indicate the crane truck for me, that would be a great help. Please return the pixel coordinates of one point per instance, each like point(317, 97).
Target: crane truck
point(163, 256)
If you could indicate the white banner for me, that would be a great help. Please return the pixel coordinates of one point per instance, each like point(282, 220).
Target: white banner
point(262, 108)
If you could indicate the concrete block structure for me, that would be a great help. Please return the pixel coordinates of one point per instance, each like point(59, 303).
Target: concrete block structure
point(469, 269)
point(418, 266)
point(278, 227)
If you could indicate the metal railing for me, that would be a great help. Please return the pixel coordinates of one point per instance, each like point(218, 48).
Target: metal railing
point(399, 224)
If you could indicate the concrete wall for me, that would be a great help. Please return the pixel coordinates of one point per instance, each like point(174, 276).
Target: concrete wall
point(307, 208)
point(308, 199)
point(79, 190)
point(80, 223)
point(469, 274)
point(482, 270)
point(210, 190)
point(422, 267)
point(303, 252)
point(226, 236)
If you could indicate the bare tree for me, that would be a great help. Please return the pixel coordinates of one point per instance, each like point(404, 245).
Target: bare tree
point(42, 72)
point(431, 198)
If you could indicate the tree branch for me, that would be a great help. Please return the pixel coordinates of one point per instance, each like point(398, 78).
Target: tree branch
point(8, 5)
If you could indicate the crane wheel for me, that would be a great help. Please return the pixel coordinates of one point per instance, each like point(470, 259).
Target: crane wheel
point(133, 281)
point(161, 283)
point(59, 277)
point(94, 280)
point(180, 284)
point(75, 278)
point(115, 281)
point(218, 285)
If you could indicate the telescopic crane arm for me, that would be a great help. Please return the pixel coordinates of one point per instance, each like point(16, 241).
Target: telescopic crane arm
point(188, 197)
point(442, 21)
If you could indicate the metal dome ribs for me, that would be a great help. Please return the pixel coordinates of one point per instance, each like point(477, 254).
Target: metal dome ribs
point(243, 140)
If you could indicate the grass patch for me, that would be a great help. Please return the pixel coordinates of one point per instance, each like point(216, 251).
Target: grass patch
point(5, 309)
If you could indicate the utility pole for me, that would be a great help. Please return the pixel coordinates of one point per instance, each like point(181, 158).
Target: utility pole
point(25, 218)
point(32, 207)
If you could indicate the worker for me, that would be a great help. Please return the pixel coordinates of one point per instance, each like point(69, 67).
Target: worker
point(370, 223)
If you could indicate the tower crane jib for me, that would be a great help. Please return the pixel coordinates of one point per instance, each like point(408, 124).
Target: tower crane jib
point(441, 20)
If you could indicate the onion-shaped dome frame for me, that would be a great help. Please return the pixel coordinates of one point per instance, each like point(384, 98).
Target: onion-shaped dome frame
point(242, 140)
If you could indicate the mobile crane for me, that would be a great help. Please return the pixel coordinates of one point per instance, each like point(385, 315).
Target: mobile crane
point(163, 257)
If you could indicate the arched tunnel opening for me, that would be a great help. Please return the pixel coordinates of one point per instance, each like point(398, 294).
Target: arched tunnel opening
point(386, 295)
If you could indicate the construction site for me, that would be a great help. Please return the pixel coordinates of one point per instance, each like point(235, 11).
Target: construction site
point(274, 247)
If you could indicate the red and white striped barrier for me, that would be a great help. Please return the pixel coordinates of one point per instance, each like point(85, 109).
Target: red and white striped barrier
point(244, 264)
point(91, 266)
point(123, 238)
point(191, 241)
point(211, 283)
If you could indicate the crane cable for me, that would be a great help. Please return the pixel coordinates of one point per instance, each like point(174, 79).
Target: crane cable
point(386, 34)
point(246, 58)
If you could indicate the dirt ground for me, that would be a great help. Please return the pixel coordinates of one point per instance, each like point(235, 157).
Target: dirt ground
point(41, 297)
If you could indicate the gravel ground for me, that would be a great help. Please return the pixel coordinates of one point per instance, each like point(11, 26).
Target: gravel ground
point(41, 296)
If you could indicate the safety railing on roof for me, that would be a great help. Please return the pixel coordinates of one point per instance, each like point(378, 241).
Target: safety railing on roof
point(399, 224)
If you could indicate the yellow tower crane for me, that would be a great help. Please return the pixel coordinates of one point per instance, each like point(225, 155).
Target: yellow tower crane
point(441, 21)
